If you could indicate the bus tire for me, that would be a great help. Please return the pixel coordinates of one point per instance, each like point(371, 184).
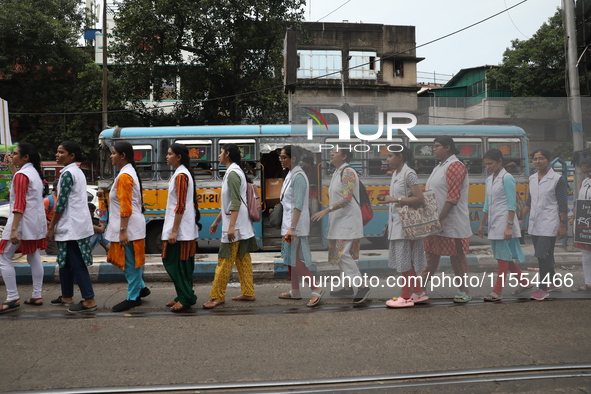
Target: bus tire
point(154, 238)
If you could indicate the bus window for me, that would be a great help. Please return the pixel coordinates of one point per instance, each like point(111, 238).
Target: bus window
point(164, 170)
point(247, 151)
point(470, 153)
point(511, 150)
point(49, 174)
point(247, 148)
point(422, 151)
point(105, 163)
point(357, 161)
point(378, 155)
point(200, 152)
point(89, 170)
point(144, 161)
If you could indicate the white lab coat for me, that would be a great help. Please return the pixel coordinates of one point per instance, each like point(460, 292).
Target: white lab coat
point(33, 224)
point(244, 228)
point(544, 218)
point(187, 229)
point(498, 207)
point(344, 223)
point(457, 223)
point(287, 191)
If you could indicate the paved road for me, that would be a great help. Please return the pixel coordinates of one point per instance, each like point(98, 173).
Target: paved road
point(271, 339)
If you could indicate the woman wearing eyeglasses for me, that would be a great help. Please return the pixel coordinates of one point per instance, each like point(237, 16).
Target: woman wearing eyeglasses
point(449, 182)
point(547, 206)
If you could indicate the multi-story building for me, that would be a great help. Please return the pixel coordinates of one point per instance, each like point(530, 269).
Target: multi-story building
point(468, 99)
point(356, 67)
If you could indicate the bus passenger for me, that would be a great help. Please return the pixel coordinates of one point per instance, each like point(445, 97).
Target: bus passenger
point(547, 202)
point(295, 227)
point(179, 233)
point(26, 227)
point(449, 182)
point(345, 224)
point(584, 194)
point(98, 238)
point(309, 168)
point(49, 203)
point(72, 229)
point(405, 256)
point(238, 238)
point(503, 226)
point(127, 227)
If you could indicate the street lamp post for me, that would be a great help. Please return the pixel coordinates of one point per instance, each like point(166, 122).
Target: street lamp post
point(105, 74)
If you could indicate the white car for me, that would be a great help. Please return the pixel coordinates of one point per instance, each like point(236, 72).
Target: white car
point(91, 190)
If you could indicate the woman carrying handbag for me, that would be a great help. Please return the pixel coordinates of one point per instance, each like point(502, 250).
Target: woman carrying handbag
point(405, 256)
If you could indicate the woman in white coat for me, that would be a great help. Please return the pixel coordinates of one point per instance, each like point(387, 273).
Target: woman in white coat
point(127, 227)
point(295, 226)
point(238, 238)
point(345, 224)
point(26, 226)
point(405, 256)
point(503, 227)
point(180, 232)
point(547, 205)
point(72, 227)
point(449, 182)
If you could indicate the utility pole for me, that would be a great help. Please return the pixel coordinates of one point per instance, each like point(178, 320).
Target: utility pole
point(105, 74)
point(574, 94)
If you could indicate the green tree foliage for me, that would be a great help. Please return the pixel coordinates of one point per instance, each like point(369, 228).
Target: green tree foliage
point(46, 77)
point(534, 67)
point(220, 50)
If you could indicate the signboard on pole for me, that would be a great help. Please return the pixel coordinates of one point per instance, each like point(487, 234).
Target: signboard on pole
point(6, 147)
point(5, 138)
point(582, 225)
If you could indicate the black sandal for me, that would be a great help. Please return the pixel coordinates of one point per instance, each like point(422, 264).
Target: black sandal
point(12, 305)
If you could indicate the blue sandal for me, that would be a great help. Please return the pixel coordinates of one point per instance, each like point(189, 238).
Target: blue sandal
point(12, 305)
point(462, 297)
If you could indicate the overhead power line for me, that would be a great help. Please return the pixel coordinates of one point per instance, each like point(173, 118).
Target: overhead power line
point(315, 78)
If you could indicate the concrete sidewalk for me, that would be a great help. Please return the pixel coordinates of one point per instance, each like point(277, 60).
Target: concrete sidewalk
point(269, 265)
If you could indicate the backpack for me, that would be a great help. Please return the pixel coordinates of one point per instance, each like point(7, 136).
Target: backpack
point(253, 202)
point(365, 203)
point(51, 203)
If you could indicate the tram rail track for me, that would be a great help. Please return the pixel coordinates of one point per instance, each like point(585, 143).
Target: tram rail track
point(359, 383)
point(254, 311)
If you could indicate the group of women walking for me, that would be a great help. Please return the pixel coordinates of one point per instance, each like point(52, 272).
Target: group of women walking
point(546, 204)
point(27, 232)
point(417, 260)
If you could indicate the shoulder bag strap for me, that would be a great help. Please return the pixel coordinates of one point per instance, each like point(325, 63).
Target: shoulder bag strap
point(355, 198)
point(284, 190)
point(405, 182)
